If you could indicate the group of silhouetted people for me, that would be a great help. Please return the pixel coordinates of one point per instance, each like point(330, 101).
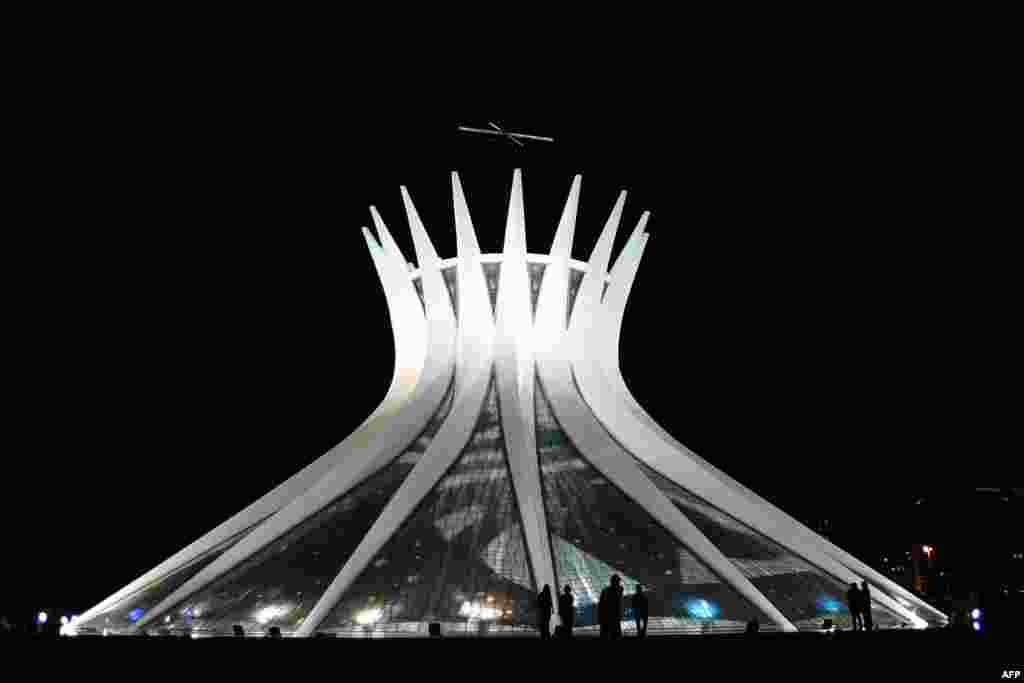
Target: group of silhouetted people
point(859, 602)
point(609, 611)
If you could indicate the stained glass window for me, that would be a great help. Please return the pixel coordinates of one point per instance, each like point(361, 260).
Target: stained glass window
point(575, 280)
point(804, 594)
point(459, 560)
point(122, 616)
point(597, 530)
point(282, 582)
point(536, 277)
point(451, 282)
point(418, 284)
point(492, 274)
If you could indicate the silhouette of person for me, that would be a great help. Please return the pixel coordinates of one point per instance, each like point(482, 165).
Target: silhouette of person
point(753, 627)
point(545, 605)
point(602, 611)
point(615, 607)
point(640, 611)
point(567, 611)
point(865, 604)
point(238, 631)
point(853, 601)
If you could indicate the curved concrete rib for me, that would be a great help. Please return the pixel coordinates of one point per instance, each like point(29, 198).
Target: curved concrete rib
point(409, 329)
point(615, 464)
point(815, 548)
point(443, 451)
point(473, 353)
point(369, 448)
point(514, 372)
point(476, 321)
point(549, 322)
point(582, 420)
point(604, 390)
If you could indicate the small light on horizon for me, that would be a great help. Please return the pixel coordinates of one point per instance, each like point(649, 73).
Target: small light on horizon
point(41, 617)
point(975, 613)
point(977, 626)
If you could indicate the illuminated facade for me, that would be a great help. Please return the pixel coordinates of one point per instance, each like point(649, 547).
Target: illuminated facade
point(507, 454)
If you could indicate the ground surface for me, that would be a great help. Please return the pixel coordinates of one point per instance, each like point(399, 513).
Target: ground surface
point(927, 655)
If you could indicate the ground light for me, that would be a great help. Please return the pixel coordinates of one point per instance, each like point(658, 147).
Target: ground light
point(369, 617)
point(41, 618)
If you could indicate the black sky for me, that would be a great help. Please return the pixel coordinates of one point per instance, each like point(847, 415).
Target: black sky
point(194, 316)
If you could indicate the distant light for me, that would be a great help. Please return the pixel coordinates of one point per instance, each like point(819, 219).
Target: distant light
point(977, 625)
point(369, 616)
point(270, 613)
point(64, 621)
point(975, 613)
point(927, 550)
point(106, 632)
point(136, 614)
point(41, 617)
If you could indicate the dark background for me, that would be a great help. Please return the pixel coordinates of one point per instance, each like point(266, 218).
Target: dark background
point(824, 309)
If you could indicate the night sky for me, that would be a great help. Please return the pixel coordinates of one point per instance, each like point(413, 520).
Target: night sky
point(822, 309)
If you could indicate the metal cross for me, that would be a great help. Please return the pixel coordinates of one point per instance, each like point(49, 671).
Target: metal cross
point(512, 137)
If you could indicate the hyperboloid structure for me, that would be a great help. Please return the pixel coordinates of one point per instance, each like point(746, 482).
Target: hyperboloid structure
point(507, 454)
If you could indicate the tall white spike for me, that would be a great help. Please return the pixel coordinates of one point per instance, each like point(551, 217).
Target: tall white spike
point(426, 255)
point(634, 237)
point(435, 293)
point(551, 303)
point(561, 246)
point(476, 321)
point(589, 298)
point(515, 226)
point(373, 244)
point(386, 240)
point(464, 233)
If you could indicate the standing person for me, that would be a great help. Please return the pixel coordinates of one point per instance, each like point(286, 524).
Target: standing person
point(853, 602)
point(545, 605)
point(865, 604)
point(567, 611)
point(640, 611)
point(602, 611)
point(615, 607)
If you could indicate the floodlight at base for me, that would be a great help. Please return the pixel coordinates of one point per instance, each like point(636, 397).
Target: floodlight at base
point(369, 616)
